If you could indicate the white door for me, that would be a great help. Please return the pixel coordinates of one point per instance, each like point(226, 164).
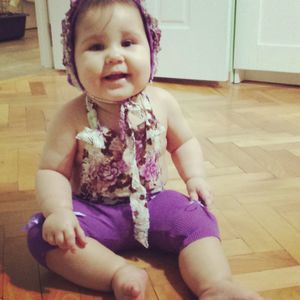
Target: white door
point(267, 35)
point(196, 37)
point(56, 11)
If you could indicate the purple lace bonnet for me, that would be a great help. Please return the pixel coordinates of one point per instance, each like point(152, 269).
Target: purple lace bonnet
point(152, 30)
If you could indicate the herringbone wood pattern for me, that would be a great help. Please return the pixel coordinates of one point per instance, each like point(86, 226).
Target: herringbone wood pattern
point(250, 134)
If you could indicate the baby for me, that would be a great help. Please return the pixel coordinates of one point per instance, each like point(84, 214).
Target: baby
point(101, 179)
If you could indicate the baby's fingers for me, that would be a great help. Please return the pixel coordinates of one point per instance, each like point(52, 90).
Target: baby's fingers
point(49, 238)
point(194, 195)
point(60, 240)
point(206, 197)
point(70, 240)
point(80, 237)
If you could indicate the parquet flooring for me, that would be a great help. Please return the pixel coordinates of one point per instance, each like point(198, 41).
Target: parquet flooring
point(250, 134)
point(20, 57)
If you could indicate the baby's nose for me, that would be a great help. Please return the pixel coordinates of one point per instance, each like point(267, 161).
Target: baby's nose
point(114, 57)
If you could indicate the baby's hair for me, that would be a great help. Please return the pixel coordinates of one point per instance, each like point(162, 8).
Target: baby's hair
point(79, 7)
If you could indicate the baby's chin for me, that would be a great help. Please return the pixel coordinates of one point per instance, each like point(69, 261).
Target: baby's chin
point(108, 100)
point(114, 98)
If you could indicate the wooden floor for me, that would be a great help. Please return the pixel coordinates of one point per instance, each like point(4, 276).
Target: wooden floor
point(250, 135)
point(20, 57)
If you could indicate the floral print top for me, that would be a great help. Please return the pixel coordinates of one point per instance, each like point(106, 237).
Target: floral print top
point(116, 167)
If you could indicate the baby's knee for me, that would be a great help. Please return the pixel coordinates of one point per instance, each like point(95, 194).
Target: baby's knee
point(180, 223)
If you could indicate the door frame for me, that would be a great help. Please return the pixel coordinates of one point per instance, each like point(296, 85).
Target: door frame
point(44, 33)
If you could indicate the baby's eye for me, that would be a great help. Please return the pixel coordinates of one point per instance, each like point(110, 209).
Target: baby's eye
point(127, 43)
point(97, 47)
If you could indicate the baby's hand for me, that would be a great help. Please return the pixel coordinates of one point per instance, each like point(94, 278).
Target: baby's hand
point(61, 228)
point(198, 189)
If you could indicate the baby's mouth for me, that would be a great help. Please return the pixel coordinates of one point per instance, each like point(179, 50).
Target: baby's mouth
point(116, 76)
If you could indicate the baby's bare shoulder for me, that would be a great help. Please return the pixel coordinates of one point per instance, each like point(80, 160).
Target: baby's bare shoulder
point(71, 112)
point(74, 106)
point(161, 97)
point(159, 93)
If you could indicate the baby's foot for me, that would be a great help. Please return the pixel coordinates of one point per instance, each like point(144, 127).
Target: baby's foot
point(228, 290)
point(129, 283)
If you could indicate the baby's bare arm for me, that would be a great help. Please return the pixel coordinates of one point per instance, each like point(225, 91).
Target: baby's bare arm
point(53, 186)
point(186, 151)
point(53, 191)
point(55, 169)
point(189, 161)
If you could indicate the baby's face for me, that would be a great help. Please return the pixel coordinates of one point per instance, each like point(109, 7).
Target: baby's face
point(112, 53)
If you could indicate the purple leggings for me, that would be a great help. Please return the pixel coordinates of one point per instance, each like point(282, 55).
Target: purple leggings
point(175, 222)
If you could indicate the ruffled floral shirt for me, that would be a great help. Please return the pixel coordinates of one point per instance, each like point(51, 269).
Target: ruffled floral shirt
point(121, 166)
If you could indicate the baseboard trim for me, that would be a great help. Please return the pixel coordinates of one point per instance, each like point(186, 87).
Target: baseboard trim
point(273, 77)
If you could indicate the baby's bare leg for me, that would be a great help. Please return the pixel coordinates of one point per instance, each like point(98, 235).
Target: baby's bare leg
point(98, 268)
point(205, 270)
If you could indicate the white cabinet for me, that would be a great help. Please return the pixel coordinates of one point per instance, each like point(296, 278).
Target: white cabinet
point(267, 35)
